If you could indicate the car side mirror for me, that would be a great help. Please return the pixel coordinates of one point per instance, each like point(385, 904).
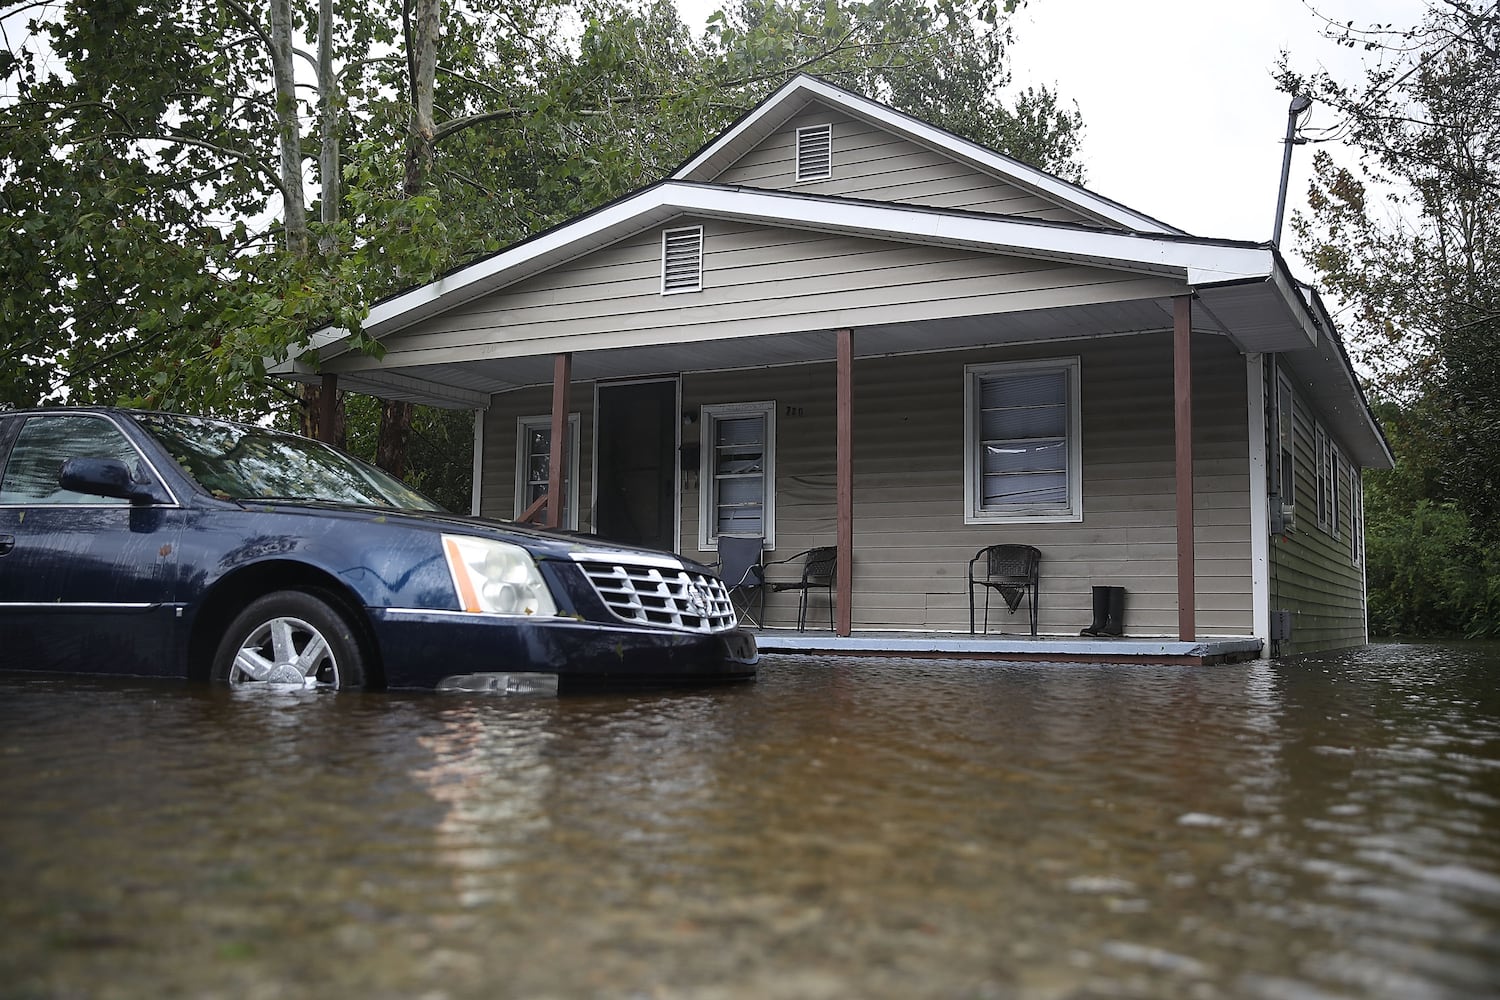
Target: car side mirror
point(106, 477)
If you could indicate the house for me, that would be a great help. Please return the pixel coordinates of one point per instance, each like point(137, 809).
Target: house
point(837, 324)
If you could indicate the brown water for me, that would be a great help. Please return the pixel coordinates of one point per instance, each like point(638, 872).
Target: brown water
point(865, 828)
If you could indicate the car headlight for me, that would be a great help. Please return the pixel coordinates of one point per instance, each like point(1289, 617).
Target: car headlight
point(496, 578)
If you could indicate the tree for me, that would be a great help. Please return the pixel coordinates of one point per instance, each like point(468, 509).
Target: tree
point(1409, 240)
point(158, 235)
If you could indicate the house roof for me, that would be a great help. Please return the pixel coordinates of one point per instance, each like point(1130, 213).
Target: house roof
point(1244, 290)
point(765, 118)
point(1235, 269)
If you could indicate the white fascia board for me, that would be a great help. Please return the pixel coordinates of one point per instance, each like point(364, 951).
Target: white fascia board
point(1053, 188)
point(1195, 261)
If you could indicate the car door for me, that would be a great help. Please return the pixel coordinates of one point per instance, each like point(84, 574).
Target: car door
point(86, 582)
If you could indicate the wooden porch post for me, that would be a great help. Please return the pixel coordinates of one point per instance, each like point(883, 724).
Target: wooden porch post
point(845, 476)
point(562, 375)
point(328, 407)
point(1182, 378)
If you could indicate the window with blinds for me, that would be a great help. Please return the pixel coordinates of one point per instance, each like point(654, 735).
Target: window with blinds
point(738, 472)
point(814, 153)
point(682, 260)
point(1024, 455)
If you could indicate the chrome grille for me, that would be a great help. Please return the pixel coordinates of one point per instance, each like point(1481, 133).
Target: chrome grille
point(658, 593)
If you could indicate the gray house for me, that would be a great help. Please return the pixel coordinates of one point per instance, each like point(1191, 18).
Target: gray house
point(838, 325)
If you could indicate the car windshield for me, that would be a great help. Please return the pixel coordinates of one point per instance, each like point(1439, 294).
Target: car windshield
point(240, 462)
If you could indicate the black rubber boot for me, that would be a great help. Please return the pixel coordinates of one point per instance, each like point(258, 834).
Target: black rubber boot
point(1101, 611)
point(1116, 623)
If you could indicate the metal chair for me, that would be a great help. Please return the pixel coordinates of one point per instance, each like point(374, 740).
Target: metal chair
point(1014, 571)
point(818, 571)
point(740, 568)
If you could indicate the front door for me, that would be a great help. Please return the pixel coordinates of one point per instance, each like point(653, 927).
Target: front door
point(636, 482)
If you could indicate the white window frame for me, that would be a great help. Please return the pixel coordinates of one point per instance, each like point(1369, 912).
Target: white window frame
point(1286, 443)
point(1356, 517)
point(825, 134)
point(1321, 445)
point(523, 428)
point(666, 238)
point(708, 522)
point(1335, 507)
point(973, 475)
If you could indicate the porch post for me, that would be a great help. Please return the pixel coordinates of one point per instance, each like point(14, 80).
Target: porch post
point(1182, 378)
point(562, 375)
point(328, 407)
point(845, 476)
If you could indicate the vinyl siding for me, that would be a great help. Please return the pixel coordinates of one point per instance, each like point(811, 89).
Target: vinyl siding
point(873, 164)
point(911, 544)
point(757, 281)
point(1313, 574)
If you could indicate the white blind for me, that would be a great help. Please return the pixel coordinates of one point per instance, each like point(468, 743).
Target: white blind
point(1023, 440)
point(739, 469)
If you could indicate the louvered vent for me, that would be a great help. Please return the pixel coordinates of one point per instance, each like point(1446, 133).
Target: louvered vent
point(660, 594)
point(814, 152)
point(682, 260)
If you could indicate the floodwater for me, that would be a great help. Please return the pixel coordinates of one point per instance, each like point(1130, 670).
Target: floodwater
point(1295, 830)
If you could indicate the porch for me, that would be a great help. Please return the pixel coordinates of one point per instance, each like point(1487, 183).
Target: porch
point(1012, 648)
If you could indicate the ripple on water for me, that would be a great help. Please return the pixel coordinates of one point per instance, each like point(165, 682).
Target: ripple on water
point(870, 828)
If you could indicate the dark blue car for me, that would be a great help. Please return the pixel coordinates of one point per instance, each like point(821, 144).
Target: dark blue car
point(155, 544)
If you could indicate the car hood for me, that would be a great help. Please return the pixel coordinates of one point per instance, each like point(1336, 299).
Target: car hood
point(542, 543)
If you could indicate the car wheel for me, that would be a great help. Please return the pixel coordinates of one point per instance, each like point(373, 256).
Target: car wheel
point(290, 637)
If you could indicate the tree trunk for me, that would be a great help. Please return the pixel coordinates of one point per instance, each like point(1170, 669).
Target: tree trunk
point(328, 153)
point(395, 429)
point(294, 210)
point(423, 20)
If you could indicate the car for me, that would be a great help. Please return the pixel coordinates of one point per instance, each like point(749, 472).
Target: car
point(159, 544)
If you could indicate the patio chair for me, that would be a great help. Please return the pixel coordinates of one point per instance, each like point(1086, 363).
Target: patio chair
point(740, 568)
point(1012, 570)
point(818, 570)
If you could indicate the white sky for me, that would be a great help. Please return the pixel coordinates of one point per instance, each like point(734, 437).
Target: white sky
point(1182, 119)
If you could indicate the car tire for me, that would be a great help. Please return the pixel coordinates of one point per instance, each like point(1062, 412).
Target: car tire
point(291, 638)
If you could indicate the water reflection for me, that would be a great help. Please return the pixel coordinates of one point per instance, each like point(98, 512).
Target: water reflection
point(843, 828)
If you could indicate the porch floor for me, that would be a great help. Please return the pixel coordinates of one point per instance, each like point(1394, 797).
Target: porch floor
point(1011, 647)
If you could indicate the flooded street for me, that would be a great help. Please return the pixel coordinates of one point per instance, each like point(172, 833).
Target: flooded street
point(858, 828)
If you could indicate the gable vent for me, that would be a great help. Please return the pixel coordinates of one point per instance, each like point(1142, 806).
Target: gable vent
point(814, 152)
point(682, 260)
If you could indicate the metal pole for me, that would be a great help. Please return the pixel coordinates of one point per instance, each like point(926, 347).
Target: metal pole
point(1300, 103)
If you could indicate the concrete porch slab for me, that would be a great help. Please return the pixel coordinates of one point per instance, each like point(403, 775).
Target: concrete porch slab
point(961, 645)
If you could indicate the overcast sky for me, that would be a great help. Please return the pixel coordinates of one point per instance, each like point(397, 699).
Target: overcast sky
point(1182, 118)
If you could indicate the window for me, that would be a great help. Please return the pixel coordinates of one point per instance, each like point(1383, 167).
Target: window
point(1336, 468)
point(1321, 450)
point(1356, 517)
point(1023, 454)
point(738, 473)
point(533, 458)
point(814, 153)
point(42, 446)
point(1286, 431)
point(682, 260)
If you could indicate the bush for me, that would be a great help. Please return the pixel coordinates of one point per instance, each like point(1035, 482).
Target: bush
point(1429, 576)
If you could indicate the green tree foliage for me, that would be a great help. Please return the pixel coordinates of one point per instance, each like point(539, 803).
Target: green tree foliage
point(1409, 240)
point(143, 209)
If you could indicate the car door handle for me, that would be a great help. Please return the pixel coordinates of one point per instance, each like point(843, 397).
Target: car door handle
point(7, 542)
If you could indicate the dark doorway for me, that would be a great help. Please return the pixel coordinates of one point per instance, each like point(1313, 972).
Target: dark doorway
point(637, 478)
